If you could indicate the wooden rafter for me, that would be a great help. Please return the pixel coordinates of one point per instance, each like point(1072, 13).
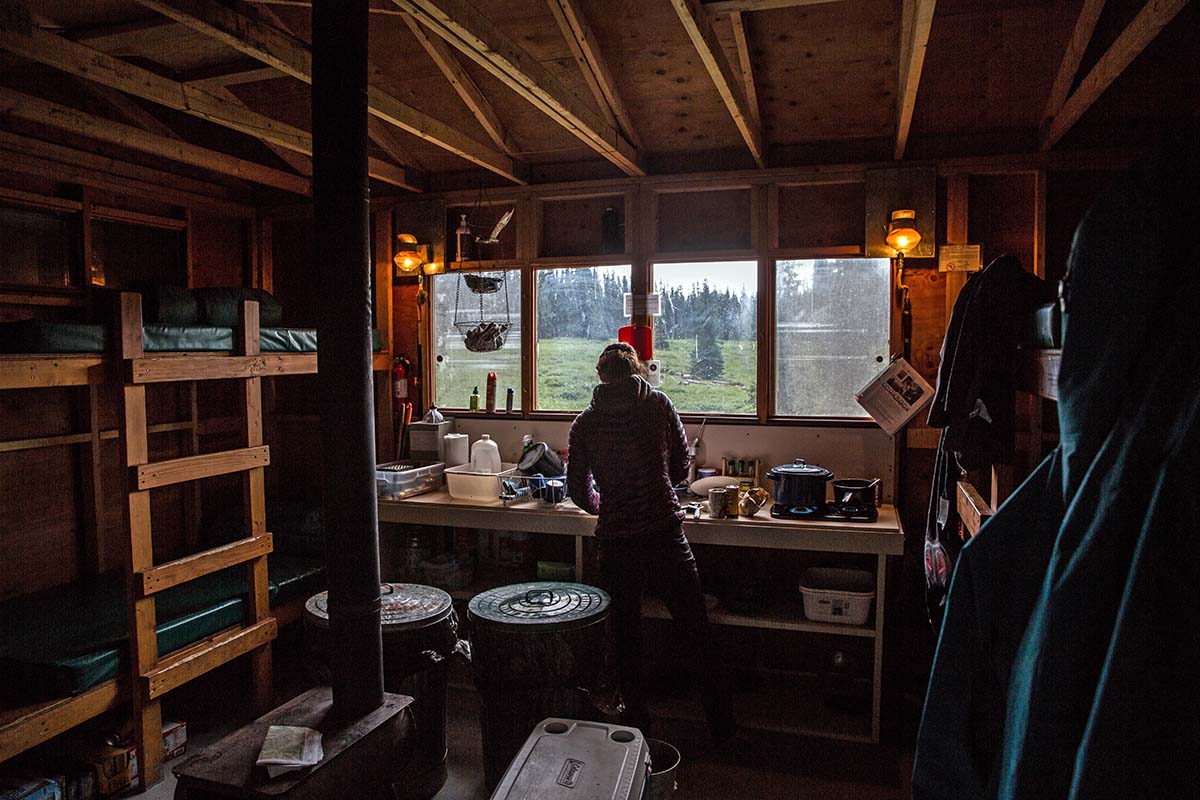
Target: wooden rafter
point(123, 38)
point(728, 82)
point(1085, 24)
point(1153, 17)
point(739, 6)
point(129, 109)
point(741, 41)
point(293, 57)
point(297, 161)
point(385, 138)
point(75, 59)
point(444, 58)
point(232, 74)
point(33, 109)
point(575, 28)
point(915, 23)
point(481, 40)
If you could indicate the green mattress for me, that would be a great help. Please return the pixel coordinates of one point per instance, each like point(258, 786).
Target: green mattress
point(66, 640)
point(31, 336)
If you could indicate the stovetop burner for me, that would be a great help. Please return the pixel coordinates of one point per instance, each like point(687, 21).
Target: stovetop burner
point(829, 511)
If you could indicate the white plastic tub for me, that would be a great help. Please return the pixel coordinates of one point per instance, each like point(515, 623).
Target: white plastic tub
point(840, 596)
point(464, 483)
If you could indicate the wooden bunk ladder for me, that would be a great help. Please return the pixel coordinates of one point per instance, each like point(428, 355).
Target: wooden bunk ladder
point(153, 675)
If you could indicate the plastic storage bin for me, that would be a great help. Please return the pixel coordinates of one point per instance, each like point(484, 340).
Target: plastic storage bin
point(405, 478)
point(464, 483)
point(841, 596)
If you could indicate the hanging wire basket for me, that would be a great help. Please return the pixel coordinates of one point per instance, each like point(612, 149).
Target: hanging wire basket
point(483, 333)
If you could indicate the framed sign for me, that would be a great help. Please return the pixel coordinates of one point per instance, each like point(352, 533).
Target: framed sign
point(960, 258)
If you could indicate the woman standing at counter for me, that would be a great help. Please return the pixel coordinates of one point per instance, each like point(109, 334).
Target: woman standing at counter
point(628, 450)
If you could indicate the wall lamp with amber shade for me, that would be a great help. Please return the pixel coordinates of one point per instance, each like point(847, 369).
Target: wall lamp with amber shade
point(410, 254)
point(903, 236)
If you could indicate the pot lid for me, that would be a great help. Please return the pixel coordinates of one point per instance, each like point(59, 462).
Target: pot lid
point(541, 603)
point(402, 606)
point(800, 468)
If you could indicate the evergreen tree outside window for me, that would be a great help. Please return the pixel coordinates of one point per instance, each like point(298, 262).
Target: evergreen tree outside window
point(707, 335)
point(832, 330)
point(579, 310)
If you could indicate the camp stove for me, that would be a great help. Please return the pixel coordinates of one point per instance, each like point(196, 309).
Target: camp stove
point(829, 512)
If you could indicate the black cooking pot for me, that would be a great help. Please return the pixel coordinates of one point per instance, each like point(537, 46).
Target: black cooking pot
point(800, 484)
point(859, 493)
point(540, 459)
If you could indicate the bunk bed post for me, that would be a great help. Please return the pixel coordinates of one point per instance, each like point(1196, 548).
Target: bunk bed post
point(254, 506)
point(143, 643)
point(341, 194)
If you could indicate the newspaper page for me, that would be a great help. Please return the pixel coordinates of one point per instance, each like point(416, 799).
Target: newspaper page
point(895, 396)
point(288, 747)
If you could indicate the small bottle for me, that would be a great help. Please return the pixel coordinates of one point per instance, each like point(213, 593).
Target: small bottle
point(526, 443)
point(473, 404)
point(491, 393)
point(508, 401)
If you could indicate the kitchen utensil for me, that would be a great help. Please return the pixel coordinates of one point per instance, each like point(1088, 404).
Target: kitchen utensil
point(540, 458)
point(799, 484)
point(857, 493)
point(717, 502)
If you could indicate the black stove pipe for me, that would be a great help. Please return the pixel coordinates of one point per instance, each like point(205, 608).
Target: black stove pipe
point(341, 195)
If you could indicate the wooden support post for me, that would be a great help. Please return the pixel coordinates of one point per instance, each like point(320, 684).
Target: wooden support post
point(956, 233)
point(254, 508)
point(91, 484)
point(143, 641)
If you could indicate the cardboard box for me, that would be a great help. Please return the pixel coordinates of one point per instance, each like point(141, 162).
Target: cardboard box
point(115, 767)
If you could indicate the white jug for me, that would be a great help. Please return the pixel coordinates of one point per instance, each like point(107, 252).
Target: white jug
point(485, 455)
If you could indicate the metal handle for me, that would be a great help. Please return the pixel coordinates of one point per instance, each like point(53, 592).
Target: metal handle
point(799, 462)
point(539, 597)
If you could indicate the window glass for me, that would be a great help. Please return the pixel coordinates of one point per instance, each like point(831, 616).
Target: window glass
point(40, 248)
point(707, 335)
point(579, 310)
point(476, 306)
point(831, 333)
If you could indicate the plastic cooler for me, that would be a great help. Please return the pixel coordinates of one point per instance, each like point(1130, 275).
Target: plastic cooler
point(837, 595)
point(575, 760)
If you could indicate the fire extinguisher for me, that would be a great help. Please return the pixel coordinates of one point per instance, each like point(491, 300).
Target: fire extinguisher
point(399, 384)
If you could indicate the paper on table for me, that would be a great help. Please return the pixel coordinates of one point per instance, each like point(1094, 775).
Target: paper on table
point(288, 747)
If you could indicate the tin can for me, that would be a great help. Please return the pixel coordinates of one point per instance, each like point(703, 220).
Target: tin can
point(731, 500)
point(717, 504)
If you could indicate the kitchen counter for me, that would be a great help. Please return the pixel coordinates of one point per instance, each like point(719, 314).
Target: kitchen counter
point(882, 537)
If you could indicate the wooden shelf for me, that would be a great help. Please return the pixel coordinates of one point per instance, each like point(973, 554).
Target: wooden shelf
point(27, 726)
point(972, 508)
point(1040, 375)
point(782, 619)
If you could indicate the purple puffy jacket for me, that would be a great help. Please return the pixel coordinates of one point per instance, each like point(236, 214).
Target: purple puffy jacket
point(632, 444)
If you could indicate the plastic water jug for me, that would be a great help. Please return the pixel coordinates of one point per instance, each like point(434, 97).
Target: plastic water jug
point(485, 455)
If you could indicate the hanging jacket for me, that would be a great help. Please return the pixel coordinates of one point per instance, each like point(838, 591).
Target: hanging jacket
point(1066, 664)
point(631, 443)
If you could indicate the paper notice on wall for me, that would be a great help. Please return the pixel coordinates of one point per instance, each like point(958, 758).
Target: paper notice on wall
point(960, 258)
point(643, 304)
point(895, 396)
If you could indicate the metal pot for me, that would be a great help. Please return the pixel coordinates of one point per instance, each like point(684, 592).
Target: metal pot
point(540, 459)
point(799, 484)
point(856, 492)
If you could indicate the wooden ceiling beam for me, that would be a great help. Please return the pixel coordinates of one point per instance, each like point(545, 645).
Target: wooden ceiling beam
point(1085, 25)
point(915, 23)
point(481, 40)
point(126, 107)
point(465, 86)
point(741, 42)
point(123, 38)
point(741, 6)
point(728, 82)
point(1153, 17)
point(578, 33)
point(297, 161)
point(293, 57)
point(234, 73)
point(35, 44)
point(16, 105)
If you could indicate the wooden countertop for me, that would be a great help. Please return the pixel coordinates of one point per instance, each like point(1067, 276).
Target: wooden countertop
point(884, 536)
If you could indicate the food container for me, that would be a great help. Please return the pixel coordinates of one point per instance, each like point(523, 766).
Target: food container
point(399, 479)
point(800, 484)
point(464, 483)
point(841, 596)
point(717, 504)
point(731, 499)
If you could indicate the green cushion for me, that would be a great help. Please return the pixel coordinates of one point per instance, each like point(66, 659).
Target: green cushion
point(219, 306)
point(170, 305)
point(295, 576)
point(41, 336)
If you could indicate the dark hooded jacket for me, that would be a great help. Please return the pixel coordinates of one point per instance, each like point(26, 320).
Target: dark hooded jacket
point(628, 449)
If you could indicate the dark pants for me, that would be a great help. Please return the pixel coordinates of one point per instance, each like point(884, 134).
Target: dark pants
point(663, 564)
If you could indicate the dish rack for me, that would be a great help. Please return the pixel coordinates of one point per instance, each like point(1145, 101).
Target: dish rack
point(549, 491)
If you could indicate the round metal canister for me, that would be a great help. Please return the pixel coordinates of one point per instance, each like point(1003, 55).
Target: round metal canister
point(420, 630)
point(717, 503)
point(732, 492)
point(535, 648)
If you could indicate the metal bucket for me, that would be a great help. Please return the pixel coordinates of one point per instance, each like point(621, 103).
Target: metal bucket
point(664, 760)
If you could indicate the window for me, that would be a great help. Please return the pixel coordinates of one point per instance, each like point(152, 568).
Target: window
point(466, 304)
point(707, 335)
point(831, 333)
point(41, 248)
point(579, 310)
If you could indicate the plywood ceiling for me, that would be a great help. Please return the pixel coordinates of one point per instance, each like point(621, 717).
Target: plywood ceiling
point(826, 75)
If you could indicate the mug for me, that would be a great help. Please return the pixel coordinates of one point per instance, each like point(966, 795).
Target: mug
point(717, 503)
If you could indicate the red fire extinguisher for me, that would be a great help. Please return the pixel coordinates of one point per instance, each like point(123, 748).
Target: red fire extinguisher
point(399, 384)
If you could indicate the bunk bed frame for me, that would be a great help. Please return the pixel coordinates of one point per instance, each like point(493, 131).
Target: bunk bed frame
point(151, 676)
point(1039, 378)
